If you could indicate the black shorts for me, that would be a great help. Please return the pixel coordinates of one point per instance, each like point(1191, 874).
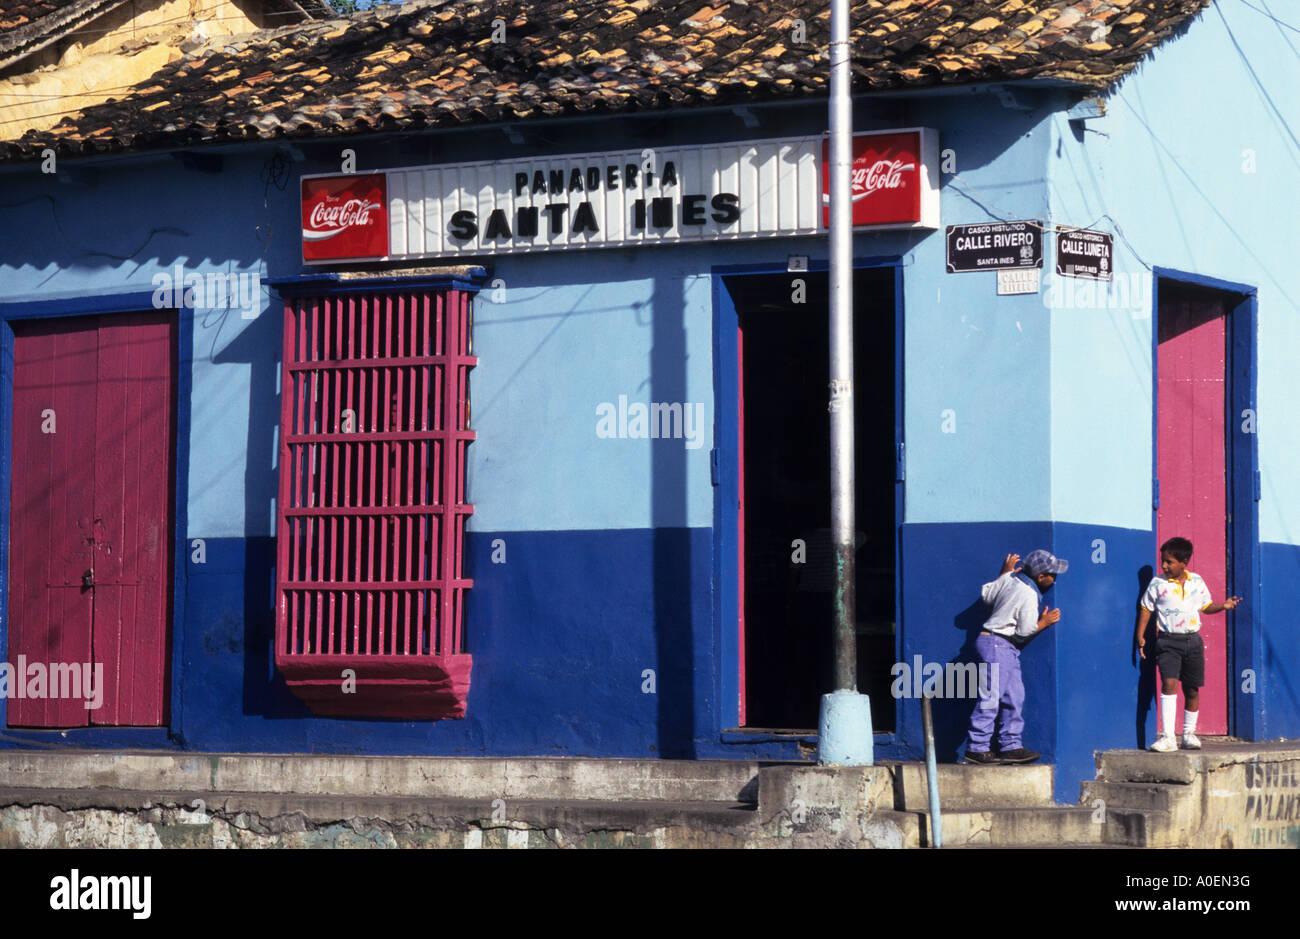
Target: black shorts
point(1182, 657)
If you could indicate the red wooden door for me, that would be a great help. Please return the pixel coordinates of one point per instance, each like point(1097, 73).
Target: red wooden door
point(1192, 465)
point(90, 532)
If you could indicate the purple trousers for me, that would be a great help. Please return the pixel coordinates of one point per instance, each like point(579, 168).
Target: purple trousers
point(1002, 697)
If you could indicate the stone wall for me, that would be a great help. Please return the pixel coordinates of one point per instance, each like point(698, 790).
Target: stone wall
point(111, 53)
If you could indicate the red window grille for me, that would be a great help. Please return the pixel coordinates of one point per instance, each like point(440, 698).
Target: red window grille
point(371, 515)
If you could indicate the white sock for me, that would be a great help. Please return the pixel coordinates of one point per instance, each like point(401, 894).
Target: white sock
point(1189, 722)
point(1168, 711)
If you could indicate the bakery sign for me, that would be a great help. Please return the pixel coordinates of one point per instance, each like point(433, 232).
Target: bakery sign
point(617, 199)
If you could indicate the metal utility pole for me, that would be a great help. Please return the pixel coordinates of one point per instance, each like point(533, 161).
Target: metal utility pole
point(844, 727)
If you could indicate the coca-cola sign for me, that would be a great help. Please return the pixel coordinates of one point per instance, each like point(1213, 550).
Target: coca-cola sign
point(630, 198)
point(893, 180)
point(345, 218)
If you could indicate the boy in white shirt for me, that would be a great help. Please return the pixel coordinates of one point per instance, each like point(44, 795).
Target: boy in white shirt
point(1178, 599)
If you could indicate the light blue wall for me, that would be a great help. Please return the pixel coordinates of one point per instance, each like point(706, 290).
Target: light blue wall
point(109, 227)
point(558, 335)
point(576, 329)
point(981, 356)
point(1171, 166)
point(589, 317)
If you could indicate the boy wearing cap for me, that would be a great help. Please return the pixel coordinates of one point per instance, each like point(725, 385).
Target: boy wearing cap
point(1178, 599)
point(1015, 618)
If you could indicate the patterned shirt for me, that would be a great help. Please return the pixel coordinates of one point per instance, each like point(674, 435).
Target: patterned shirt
point(1177, 606)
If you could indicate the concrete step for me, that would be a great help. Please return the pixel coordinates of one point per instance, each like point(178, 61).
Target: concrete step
point(124, 818)
point(468, 778)
point(1130, 796)
point(1181, 805)
point(1043, 827)
point(1141, 766)
point(1185, 766)
point(962, 786)
point(888, 828)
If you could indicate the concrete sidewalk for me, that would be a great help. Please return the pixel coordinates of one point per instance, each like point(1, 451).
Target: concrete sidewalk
point(1229, 794)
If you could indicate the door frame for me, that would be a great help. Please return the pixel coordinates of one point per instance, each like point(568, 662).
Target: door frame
point(728, 640)
point(168, 736)
point(1241, 453)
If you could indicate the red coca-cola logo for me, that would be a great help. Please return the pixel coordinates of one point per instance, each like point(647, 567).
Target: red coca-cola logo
point(329, 220)
point(886, 179)
point(883, 174)
point(345, 217)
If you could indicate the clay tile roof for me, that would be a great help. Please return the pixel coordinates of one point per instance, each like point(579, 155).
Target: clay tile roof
point(27, 26)
point(433, 63)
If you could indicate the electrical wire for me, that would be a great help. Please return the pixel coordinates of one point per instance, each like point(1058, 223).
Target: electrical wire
point(1281, 287)
point(1267, 13)
point(1285, 38)
point(1259, 85)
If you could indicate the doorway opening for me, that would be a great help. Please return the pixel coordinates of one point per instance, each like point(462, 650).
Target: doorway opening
point(786, 566)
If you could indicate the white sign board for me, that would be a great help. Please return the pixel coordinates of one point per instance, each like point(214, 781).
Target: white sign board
point(626, 198)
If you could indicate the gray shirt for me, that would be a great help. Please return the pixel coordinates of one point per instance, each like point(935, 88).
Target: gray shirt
point(1014, 598)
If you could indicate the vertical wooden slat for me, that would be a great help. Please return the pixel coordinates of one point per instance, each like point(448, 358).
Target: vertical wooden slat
point(133, 514)
point(335, 417)
point(374, 455)
point(51, 506)
point(350, 638)
point(115, 410)
point(286, 536)
point(450, 424)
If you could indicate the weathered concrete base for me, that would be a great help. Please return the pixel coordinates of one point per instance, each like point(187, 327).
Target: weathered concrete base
point(81, 819)
point(433, 777)
point(139, 799)
point(1227, 795)
point(826, 807)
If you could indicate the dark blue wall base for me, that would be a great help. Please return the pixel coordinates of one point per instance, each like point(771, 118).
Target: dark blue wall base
point(1105, 694)
point(585, 643)
point(1277, 681)
point(564, 631)
point(944, 567)
point(1083, 692)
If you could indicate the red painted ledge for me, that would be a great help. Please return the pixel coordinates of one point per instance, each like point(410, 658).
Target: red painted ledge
point(401, 687)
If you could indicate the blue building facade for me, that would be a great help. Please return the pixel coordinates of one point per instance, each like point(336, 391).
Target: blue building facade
point(604, 616)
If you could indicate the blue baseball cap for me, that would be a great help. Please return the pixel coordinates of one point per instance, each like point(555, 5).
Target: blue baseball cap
point(1042, 561)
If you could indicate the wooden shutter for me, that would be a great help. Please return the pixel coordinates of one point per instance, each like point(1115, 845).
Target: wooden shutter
point(371, 516)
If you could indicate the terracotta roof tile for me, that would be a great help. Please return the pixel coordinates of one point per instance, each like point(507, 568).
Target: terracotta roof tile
point(433, 63)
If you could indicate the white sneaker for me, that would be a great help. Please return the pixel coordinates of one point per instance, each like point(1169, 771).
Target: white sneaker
point(1166, 744)
point(1191, 742)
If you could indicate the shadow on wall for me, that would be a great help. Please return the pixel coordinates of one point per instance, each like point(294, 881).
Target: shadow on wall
point(1146, 682)
point(673, 625)
point(952, 715)
point(259, 346)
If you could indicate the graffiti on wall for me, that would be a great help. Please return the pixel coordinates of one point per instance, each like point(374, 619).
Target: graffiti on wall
point(1273, 803)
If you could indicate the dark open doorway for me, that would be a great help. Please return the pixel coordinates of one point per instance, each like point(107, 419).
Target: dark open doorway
point(787, 571)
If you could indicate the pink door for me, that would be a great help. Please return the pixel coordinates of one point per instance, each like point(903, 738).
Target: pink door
point(90, 524)
point(1192, 464)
